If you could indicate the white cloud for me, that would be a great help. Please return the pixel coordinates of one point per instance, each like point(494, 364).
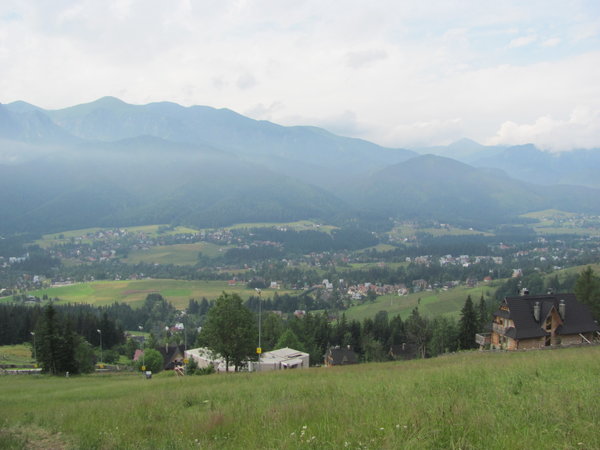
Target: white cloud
point(580, 130)
point(552, 42)
point(362, 58)
point(397, 73)
point(422, 134)
point(522, 41)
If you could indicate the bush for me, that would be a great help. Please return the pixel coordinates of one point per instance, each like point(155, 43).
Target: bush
point(153, 361)
point(191, 367)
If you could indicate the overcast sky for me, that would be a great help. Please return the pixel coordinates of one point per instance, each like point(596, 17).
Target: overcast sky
point(400, 73)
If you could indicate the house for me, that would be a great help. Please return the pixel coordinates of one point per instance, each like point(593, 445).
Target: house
point(281, 359)
point(538, 321)
point(172, 355)
point(403, 351)
point(340, 356)
point(204, 358)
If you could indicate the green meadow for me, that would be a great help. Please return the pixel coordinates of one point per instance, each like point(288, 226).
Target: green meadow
point(19, 354)
point(470, 400)
point(430, 303)
point(553, 221)
point(178, 254)
point(178, 292)
point(48, 240)
point(300, 225)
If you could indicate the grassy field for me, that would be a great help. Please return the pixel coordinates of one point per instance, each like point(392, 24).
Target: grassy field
point(300, 225)
point(408, 231)
point(432, 303)
point(553, 221)
point(178, 254)
point(178, 292)
point(473, 400)
point(16, 354)
point(48, 240)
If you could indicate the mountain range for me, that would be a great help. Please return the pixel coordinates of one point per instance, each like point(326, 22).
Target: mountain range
point(109, 163)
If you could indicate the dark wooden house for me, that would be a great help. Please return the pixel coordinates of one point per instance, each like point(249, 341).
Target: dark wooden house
point(538, 321)
point(340, 356)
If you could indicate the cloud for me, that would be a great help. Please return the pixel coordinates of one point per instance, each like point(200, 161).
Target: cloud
point(580, 130)
point(522, 41)
point(363, 58)
point(422, 134)
point(246, 81)
point(552, 42)
point(397, 73)
point(261, 111)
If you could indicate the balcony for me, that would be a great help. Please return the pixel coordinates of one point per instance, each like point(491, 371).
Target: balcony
point(483, 338)
point(500, 329)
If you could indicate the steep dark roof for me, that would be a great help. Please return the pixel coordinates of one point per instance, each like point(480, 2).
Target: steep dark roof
point(341, 355)
point(577, 318)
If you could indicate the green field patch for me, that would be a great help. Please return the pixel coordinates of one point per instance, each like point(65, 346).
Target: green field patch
point(549, 213)
point(301, 225)
point(19, 354)
point(62, 237)
point(471, 400)
point(133, 292)
point(178, 254)
point(409, 231)
point(553, 222)
point(432, 304)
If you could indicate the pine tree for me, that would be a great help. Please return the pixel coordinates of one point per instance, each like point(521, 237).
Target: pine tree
point(468, 325)
point(482, 313)
point(587, 290)
point(55, 344)
point(418, 330)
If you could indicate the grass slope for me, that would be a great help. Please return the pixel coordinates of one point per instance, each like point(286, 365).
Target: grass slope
point(538, 399)
point(177, 254)
point(178, 292)
point(431, 303)
point(16, 354)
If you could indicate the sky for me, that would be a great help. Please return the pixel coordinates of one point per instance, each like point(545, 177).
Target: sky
point(400, 73)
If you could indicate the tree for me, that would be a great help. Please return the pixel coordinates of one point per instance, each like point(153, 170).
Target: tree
point(55, 344)
point(587, 291)
point(153, 360)
point(468, 325)
point(290, 340)
point(272, 328)
point(482, 313)
point(418, 330)
point(230, 330)
point(444, 336)
point(84, 355)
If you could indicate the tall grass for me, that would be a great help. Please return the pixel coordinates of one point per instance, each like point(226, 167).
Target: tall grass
point(543, 399)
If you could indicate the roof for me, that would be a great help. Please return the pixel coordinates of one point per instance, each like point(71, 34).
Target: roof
point(283, 354)
point(577, 318)
point(341, 355)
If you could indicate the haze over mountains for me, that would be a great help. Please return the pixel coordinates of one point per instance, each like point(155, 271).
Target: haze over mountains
point(109, 163)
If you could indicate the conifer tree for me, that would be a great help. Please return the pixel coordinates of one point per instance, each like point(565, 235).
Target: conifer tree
point(468, 325)
point(587, 290)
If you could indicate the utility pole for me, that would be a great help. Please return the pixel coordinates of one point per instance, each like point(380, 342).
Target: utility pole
point(34, 351)
point(100, 333)
point(259, 349)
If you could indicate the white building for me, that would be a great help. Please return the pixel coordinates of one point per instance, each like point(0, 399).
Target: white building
point(204, 358)
point(283, 358)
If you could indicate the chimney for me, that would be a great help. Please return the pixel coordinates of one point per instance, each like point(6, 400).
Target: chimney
point(562, 309)
point(524, 291)
point(536, 311)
